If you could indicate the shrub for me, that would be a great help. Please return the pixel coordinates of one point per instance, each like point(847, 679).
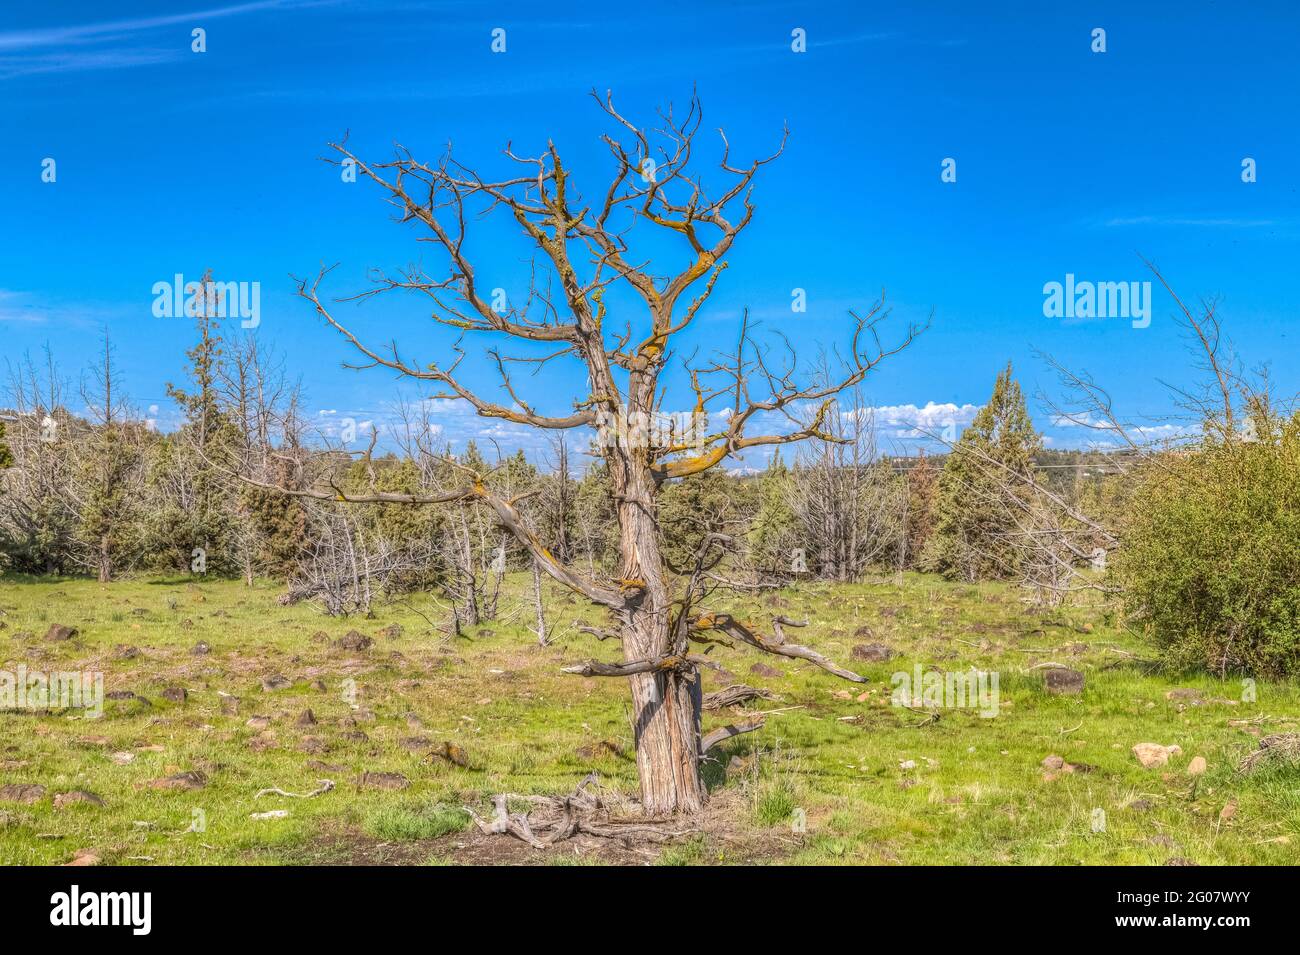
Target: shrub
point(1210, 563)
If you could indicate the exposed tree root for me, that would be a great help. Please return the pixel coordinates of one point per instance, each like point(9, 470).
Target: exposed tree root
point(583, 812)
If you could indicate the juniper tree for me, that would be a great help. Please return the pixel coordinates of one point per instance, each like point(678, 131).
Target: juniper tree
point(975, 529)
point(579, 306)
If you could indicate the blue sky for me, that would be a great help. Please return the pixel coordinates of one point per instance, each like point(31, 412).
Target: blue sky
point(1068, 161)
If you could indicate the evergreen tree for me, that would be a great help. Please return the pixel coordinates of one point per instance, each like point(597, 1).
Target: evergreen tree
point(190, 528)
point(984, 475)
point(774, 534)
point(922, 484)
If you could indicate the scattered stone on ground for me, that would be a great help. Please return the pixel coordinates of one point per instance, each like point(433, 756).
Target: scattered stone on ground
point(353, 641)
point(59, 632)
point(1063, 681)
point(371, 780)
point(76, 796)
point(1151, 755)
point(26, 793)
point(1054, 767)
point(194, 779)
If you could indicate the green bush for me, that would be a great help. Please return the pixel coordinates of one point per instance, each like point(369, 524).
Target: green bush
point(1210, 563)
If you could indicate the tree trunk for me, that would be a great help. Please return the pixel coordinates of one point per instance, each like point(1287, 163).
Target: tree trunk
point(105, 561)
point(537, 602)
point(666, 706)
point(668, 741)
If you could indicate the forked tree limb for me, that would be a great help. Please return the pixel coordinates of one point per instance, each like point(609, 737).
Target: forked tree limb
point(725, 623)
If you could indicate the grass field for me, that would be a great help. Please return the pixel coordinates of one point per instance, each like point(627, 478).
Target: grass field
point(875, 783)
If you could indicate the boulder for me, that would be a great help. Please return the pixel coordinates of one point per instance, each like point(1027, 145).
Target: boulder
point(1063, 682)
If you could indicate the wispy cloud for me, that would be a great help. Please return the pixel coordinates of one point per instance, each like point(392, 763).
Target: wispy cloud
point(82, 60)
point(108, 44)
point(116, 29)
point(17, 306)
point(1190, 221)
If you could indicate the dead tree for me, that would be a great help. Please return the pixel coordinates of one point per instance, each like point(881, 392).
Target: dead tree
point(849, 506)
point(538, 606)
point(109, 472)
point(582, 255)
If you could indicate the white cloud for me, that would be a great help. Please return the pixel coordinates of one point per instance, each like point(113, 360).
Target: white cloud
point(913, 421)
point(1191, 221)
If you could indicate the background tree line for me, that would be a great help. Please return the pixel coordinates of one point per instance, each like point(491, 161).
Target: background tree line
point(1198, 543)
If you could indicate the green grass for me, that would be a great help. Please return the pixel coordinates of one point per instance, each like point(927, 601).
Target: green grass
point(405, 824)
point(977, 793)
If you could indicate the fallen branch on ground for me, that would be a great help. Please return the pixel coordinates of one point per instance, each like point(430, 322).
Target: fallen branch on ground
point(734, 694)
point(325, 786)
